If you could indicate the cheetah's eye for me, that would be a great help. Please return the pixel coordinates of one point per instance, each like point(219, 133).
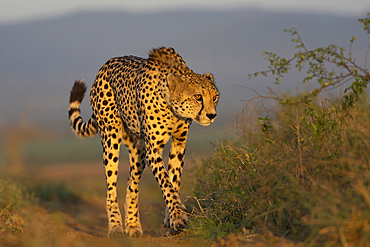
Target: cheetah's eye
point(215, 98)
point(198, 97)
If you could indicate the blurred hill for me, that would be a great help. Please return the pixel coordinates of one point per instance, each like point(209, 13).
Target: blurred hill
point(40, 60)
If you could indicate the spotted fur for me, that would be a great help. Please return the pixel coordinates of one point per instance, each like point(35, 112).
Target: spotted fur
point(142, 103)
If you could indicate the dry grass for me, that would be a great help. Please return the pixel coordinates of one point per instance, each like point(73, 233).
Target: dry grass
point(13, 199)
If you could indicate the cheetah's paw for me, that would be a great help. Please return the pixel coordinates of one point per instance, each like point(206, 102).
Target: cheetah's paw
point(179, 218)
point(134, 231)
point(116, 232)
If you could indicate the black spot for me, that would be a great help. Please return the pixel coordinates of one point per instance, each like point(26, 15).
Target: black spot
point(174, 178)
point(180, 156)
point(109, 173)
point(184, 133)
point(159, 159)
point(115, 159)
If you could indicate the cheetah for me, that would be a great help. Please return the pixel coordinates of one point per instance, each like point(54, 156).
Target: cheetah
point(142, 103)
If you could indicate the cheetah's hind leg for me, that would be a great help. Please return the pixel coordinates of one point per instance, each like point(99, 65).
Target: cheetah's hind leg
point(137, 165)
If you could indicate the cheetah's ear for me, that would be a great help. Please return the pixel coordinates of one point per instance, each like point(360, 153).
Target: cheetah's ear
point(209, 76)
point(173, 81)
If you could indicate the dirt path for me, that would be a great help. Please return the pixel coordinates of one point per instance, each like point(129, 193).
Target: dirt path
point(80, 220)
point(79, 226)
point(77, 217)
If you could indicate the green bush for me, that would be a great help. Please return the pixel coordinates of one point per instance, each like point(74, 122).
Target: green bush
point(305, 174)
point(311, 187)
point(54, 192)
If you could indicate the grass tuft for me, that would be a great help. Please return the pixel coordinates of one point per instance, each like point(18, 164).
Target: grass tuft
point(13, 198)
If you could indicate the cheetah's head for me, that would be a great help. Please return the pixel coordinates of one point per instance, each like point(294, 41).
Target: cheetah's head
point(193, 96)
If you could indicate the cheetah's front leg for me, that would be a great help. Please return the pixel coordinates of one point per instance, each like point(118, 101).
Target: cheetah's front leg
point(177, 211)
point(176, 161)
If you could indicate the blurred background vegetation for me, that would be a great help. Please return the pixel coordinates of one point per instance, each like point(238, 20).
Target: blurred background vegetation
point(295, 164)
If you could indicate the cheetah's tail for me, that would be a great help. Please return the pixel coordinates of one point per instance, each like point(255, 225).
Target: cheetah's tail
point(81, 128)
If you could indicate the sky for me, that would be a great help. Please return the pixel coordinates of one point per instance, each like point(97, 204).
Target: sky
point(13, 11)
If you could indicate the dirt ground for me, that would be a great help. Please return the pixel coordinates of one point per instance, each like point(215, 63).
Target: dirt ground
point(84, 223)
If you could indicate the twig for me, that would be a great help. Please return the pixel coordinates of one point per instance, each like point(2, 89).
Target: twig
point(299, 144)
point(199, 204)
point(342, 237)
point(2, 211)
point(362, 191)
point(367, 53)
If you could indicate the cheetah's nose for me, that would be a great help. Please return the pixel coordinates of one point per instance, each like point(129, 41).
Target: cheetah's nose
point(211, 116)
